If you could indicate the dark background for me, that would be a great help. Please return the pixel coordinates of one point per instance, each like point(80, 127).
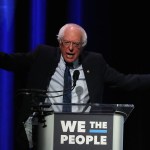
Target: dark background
point(117, 29)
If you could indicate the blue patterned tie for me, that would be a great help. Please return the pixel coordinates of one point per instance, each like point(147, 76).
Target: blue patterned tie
point(67, 90)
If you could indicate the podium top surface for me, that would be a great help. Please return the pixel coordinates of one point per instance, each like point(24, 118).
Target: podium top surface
point(90, 108)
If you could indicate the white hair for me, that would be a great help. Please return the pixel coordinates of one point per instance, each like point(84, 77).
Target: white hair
point(63, 28)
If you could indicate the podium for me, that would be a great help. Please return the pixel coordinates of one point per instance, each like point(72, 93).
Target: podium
point(94, 126)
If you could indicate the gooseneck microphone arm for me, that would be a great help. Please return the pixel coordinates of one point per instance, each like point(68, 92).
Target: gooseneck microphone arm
point(44, 93)
point(38, 106)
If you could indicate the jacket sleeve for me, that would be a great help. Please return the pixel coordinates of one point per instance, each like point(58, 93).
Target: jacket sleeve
point(16, 61)
point(128, 82)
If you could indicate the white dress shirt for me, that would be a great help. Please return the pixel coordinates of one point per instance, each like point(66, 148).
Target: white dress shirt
point(79, 93)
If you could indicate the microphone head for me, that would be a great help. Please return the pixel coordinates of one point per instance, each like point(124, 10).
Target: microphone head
point(75, 77)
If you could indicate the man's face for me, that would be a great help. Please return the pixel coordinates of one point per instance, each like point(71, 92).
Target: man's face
point(71, 45)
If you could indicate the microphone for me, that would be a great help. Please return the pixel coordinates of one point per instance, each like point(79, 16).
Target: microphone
point(43, 93)
point(75, 77)
point(39, 94)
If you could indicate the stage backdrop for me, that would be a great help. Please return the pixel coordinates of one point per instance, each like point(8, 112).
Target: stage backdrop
point(117, 29)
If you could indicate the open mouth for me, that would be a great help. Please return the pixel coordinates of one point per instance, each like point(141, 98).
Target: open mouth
point(69, 55)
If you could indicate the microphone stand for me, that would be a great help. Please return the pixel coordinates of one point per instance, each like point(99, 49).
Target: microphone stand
point(38, 108)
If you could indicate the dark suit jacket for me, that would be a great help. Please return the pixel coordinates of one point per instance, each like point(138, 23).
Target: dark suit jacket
point(40, 65)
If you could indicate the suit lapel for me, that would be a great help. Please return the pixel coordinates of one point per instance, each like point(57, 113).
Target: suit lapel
point(87, 68)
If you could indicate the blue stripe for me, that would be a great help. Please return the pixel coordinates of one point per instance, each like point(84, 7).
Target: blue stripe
point(38, 22)
point(6, 78)
point(75, 11)
point(97, 131)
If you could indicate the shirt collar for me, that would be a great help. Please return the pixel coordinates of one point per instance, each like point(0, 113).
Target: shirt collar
point(75, 63)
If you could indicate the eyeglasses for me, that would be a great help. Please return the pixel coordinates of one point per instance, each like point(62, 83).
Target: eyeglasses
point(74, 44)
